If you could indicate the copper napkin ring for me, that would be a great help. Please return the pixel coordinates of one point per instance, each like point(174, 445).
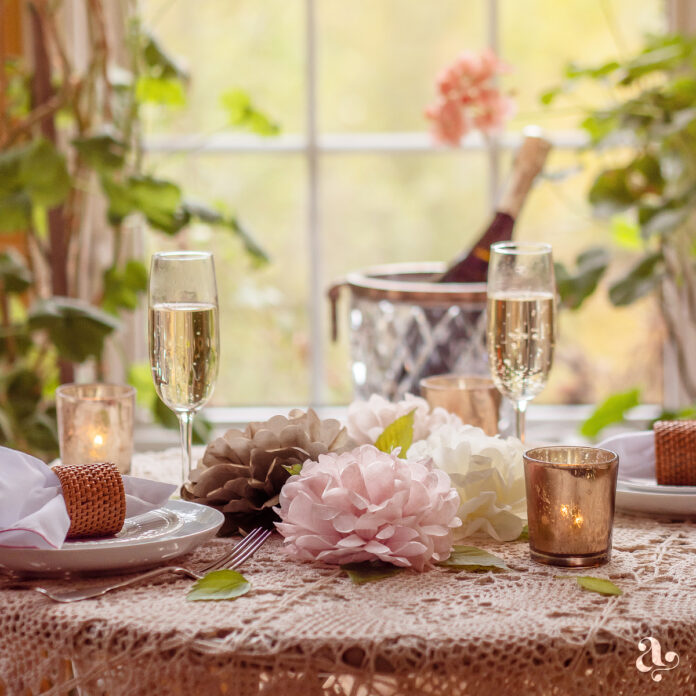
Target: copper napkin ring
point(94, 497)
point(675, 453)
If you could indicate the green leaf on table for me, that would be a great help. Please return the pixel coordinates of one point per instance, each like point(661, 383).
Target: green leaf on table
point(219, 584)
point(361, 573)
point(242, 113)
point(591, 584)
point(76, 328)
point(638, 282)
point(612, 410)
point(576, 286)
point(473, 560)
point(524, 534)
point(398, 434)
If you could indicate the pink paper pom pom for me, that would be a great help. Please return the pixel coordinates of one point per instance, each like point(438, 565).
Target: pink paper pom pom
point(366, 505)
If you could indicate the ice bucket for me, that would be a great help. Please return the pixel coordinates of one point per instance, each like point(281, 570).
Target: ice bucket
point(404, 327)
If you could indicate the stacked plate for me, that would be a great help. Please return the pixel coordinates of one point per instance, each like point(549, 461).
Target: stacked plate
point(637, 489)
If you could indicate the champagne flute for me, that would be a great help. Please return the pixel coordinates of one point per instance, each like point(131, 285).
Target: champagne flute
point(521, 321)
point(184, 336)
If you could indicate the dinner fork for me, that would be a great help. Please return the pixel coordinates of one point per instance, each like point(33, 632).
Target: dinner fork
point(241, 552)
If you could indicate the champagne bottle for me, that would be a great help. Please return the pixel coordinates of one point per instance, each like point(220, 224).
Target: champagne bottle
point(472, 265)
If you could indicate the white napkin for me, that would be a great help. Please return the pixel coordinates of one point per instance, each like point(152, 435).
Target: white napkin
point(32, 508)
point(636, 453)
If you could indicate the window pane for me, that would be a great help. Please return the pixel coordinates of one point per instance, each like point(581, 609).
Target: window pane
point(263, 313)
point(601, 348)
point(378, 60)
point(245, 44)
point(538, 38)
point(379, 209)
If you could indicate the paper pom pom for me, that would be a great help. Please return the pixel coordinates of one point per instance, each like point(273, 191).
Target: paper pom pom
point(366, 505)
point(368, 419)
point(488, 474)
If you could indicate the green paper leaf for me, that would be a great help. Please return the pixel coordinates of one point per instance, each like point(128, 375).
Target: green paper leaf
point(611, 410)
point(361, 573)
point(398, 434)
point(219, 584)
point(524, 534)
point(294, 469)
point(473, 560)
point(591, 584)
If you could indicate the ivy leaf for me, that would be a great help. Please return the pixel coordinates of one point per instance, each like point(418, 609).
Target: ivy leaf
point(15, 211)
point(44, 174)
point(219, 584)
point(77, 329)
point(23, 393)
point(159, 62)
point(14, 274)
point(160, 90)
point(575, 287)
point(102, 151)
point(398, 434)
point(241, 113)
point(123, 286)
point(473, 560)
point(638, 282)
point(591, 584)
point(361, 573)
point(611, 410)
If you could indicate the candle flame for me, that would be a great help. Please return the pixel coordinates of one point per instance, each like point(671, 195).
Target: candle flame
point(98, 440)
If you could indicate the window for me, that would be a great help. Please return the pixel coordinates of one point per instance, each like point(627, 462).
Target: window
point(355, 180)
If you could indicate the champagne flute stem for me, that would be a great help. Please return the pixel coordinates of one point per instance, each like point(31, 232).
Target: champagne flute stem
point(520, 419)
point(186, 428)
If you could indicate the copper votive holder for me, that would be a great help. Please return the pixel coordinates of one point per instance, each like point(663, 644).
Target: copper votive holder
point(474, 399)
point(570, 504)
point(95, 424)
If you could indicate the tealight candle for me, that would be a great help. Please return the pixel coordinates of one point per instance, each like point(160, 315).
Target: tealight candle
point(95, 424)
point(570, 504)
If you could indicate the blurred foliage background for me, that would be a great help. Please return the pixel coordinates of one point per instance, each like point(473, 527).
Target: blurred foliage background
point(376, 66)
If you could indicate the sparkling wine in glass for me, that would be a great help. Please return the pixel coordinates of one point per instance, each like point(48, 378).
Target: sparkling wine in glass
point(184, 336)
point(521, 321)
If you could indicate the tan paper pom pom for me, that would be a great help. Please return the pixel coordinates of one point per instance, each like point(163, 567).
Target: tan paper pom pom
point(242, 472)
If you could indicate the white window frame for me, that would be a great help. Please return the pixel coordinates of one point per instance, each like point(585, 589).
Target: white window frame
point(681, 15)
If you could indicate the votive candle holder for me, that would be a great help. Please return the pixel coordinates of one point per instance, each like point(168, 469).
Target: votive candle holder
point(95, 424)
point(474, 399)
point(570, 504)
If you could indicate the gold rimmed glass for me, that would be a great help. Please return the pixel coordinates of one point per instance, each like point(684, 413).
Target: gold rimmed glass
point(184, 336)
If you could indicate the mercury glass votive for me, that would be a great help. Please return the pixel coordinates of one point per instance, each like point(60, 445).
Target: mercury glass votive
point(95, 424)
point(474, 399)
point(570, 504)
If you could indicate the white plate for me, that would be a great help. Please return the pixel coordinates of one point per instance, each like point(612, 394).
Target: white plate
point(655, 502)
point(648, 484)
point(145, 540)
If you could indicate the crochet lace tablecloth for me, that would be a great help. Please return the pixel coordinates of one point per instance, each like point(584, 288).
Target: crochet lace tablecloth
point(305, 629)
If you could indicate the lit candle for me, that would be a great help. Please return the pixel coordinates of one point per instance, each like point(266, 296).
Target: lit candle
point(95, 424)
point(570, 504)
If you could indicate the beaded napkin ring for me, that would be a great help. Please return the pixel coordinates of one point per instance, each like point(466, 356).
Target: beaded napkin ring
point(675, 453)
point(94, 497)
